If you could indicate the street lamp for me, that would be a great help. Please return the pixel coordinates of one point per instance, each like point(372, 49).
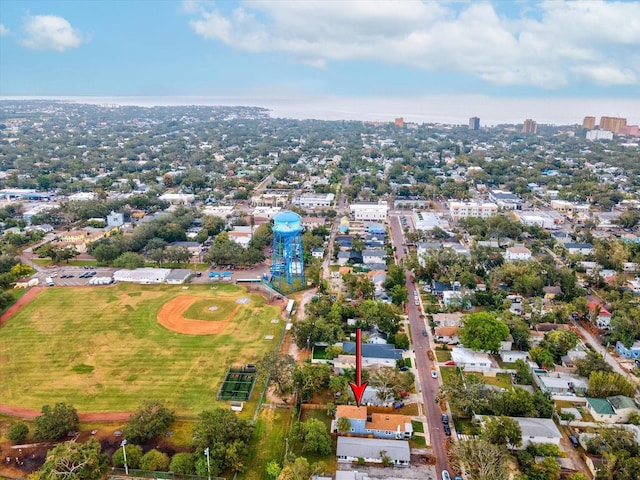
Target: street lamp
point(124, 453)
point(206, 452)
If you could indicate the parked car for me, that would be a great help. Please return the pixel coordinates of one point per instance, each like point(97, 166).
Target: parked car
point(574, 441)
point(445, 418)
point(447, 430)
point(425, 334)
point(445, 475)
point(434, 374)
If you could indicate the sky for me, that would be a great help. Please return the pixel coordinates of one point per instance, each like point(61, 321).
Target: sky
point(500, 60)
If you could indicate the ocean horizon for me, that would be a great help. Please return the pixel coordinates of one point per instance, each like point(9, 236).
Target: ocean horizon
point(446, 109)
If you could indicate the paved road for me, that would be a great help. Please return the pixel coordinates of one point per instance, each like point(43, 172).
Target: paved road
point(421, 345)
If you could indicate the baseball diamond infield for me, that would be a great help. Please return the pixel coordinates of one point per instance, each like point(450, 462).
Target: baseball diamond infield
point(171, 316)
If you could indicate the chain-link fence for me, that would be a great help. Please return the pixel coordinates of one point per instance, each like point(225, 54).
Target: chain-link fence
point(119, 474)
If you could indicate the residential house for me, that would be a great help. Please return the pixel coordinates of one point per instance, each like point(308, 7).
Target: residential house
point(378, 425)
point(632, 352)
point(373, 256)
point(510, 356)
point(241, 238)
point(351, 449)
point(579, 248)
point(616, 409)
point(600, 315)
point(470, 360)
point(535, 430)
point(559, 383)
point(194, 248)
point(448, 335)
point(178, 198)
point(317, 252)
point(374, 355)
point(515, 254)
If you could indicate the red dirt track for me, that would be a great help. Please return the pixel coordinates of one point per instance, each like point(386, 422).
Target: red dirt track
point(21, 302)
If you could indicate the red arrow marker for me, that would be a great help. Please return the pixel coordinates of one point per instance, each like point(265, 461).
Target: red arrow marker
point(358, 387)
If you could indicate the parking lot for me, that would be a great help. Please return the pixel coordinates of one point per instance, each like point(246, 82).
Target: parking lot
point(73, 276)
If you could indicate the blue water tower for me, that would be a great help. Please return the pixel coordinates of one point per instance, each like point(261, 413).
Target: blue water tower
point(287, 266)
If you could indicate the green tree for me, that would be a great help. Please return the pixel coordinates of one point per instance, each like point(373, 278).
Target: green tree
point(592, 362)
point(502, 431)
point(481, 460)
point(273, 469)
point(298, 469)
point(607, 384)
point(344, 424)
point(559, 342)
point(151, 419)
point(399, 294)
point(17, 432)
point(55, 422)
point(182, 463)
point(315, 437)
point(155, 461)
point(280, 368)
point(134, 454)
point(542, 357)
point(129, 260)
point(523, 373)
point(74, 461)
point(219, 430)
point(482, 331)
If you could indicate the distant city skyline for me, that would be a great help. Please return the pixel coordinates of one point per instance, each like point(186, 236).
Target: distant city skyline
point(358, 52)
point(447, 109)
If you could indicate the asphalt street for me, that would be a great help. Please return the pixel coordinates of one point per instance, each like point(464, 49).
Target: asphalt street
point(421, 344)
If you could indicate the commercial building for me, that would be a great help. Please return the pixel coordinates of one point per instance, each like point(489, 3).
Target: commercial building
point(370, 211)
point(599, 135)
point(506, 200)
point(427, 221)
point(612, 124)
point(459, 210)
point(589, 123)
point(399, 122)
point(530, 126)
point(474, 123)
point(313, 200)
point(178, 198)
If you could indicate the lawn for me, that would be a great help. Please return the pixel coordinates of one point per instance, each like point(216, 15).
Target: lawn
point(268, 443)
point(101, 349)
point(448, 374)
point(443, 355)
point(502, 380)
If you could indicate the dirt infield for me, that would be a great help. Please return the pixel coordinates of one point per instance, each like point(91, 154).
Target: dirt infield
point(22, 301)
point(170, 317)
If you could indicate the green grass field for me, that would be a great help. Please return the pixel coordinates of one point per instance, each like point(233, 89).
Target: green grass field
point(101, 349)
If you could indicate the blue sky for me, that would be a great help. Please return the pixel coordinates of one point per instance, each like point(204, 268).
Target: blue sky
point(501, 49)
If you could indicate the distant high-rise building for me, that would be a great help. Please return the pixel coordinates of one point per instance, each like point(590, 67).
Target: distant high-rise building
point(612, 124)
point(589, 123)
point(474, 123)
point(530, 126)
point(399, 122)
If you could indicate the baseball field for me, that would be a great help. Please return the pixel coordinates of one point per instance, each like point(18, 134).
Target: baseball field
point(105, 349)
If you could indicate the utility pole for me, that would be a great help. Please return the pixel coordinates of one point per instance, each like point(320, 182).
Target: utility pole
point(124, 453)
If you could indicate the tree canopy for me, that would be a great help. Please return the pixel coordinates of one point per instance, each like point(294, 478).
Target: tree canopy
point(151, 419)
point(55, 422)
point(74, 461)
point(482, 331)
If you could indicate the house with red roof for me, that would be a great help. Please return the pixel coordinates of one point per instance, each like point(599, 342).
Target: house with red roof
point(600, 315)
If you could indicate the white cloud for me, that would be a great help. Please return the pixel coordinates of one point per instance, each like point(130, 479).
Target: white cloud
point(553, 45)
point(4, 30)
point(51, 32)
